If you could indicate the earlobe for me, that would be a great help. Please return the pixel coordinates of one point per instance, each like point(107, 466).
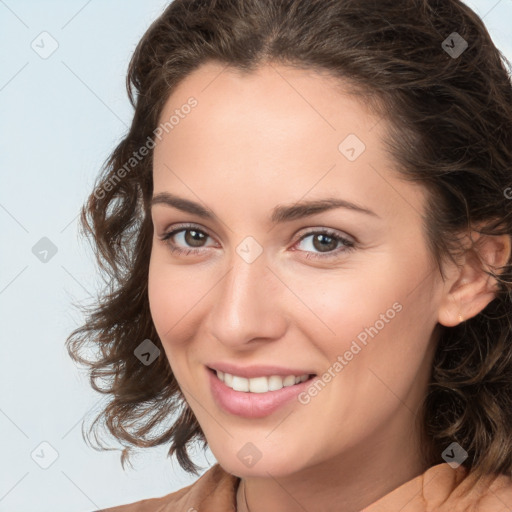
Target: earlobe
point(471, 289)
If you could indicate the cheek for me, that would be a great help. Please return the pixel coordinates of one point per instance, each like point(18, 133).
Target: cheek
point(171, 298)
point(159, 295)
point(379, 313)
point(345, 302)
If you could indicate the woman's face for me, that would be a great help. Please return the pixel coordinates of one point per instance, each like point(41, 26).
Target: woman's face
point(271, 282)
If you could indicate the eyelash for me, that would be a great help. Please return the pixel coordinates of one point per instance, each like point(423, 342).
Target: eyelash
point(348, 244)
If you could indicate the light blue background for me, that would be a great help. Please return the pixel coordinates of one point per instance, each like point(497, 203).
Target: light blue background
point(60, 118)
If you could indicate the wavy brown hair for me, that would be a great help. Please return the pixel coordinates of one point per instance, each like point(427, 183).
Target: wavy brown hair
point(450, 130)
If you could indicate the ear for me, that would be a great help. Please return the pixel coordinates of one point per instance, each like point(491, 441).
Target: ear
point(468, 289)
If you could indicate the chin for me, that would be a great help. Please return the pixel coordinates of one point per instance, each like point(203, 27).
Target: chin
point(277, 465)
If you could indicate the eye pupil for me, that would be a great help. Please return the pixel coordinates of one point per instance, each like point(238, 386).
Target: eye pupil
point(323, 247)
point(195, 239)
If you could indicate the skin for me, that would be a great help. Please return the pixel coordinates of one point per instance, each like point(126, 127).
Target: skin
point(253, 142)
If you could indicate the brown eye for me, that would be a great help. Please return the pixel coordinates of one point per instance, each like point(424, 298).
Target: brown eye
point(325, 244)
point(194, 238)
point(186, 240)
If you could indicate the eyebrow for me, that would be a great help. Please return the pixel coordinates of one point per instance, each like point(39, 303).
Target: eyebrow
point(281, 213)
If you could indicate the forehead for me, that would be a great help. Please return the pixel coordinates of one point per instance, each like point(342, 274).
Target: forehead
point(298, 132)
point(303, 99)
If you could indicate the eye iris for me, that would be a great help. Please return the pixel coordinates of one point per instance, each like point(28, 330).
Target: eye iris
point(324, 247)
point(195, 239)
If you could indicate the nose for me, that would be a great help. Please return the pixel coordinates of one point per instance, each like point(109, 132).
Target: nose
point(248, 305)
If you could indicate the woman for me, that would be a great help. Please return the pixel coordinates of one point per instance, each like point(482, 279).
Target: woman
point(308, 235)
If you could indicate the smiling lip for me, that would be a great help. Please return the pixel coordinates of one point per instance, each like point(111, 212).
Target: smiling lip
point(252, 405)
point(257, 370)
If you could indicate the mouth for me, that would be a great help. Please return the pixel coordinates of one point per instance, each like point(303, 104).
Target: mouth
point(256, 397)
point(260, 384)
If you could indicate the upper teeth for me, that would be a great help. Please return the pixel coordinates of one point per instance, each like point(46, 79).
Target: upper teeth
point(259, 384)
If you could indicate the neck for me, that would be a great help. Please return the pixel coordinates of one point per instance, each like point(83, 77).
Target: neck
point(348, 482)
